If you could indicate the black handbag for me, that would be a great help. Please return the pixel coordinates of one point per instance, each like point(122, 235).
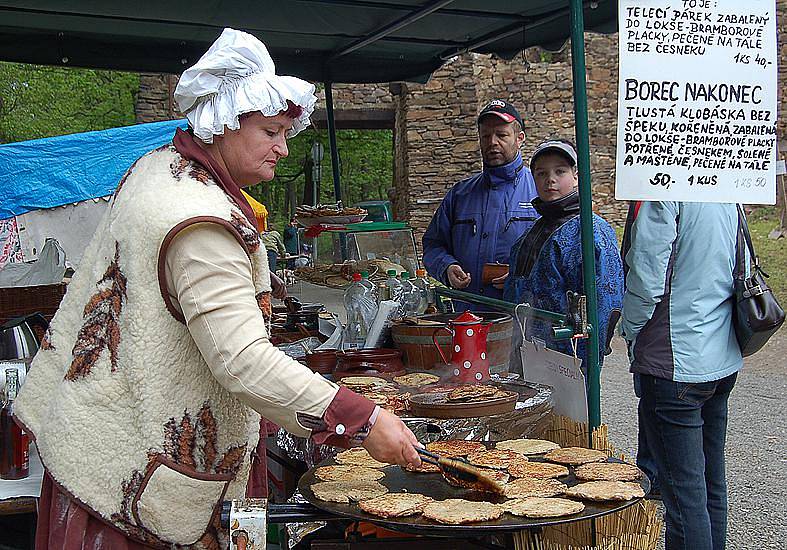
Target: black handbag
point(757, 314)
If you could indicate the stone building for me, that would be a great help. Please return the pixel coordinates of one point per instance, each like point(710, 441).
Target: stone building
point(435, 137)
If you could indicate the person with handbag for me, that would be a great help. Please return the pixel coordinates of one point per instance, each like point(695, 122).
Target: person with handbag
point(680, 261)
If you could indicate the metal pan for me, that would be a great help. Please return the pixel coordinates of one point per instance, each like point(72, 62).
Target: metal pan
point(432, 484)
point(434, 405)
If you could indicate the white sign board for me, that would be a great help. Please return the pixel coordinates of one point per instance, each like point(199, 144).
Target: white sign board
point(560, 371)
point(697, 101)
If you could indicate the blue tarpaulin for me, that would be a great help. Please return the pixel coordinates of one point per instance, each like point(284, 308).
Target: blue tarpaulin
point(49, 172)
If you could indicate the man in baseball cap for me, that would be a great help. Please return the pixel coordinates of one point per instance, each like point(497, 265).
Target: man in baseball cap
point(482, 216)
point(503, 110)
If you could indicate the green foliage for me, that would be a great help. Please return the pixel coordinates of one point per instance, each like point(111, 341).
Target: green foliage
point(772, 252)
point(39, 101)
point(365, 163)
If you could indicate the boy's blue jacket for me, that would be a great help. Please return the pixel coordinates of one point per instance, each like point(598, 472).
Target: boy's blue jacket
point(478, 221)
point(554, 267)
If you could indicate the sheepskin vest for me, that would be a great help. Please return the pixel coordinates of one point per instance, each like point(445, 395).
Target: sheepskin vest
point(125, 412)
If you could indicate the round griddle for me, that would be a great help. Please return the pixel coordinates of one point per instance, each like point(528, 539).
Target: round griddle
point(399, 480)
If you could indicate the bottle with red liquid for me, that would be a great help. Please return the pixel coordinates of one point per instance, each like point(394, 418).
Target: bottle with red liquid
point(14, 442)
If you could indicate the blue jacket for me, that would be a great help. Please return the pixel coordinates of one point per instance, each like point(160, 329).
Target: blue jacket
point(678, 306)
point(478, 221)
point(554, 267)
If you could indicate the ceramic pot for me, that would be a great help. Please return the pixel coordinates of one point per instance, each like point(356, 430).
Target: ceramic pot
point(369, 362)
point(322, 361)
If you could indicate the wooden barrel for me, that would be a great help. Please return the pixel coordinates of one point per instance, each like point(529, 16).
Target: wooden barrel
point(419, 352)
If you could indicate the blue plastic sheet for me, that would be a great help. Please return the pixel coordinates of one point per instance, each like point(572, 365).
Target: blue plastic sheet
point(50, 172)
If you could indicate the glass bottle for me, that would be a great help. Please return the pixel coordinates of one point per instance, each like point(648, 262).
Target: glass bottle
point(355, 298)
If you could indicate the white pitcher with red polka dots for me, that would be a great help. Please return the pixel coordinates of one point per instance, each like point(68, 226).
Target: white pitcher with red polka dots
point(469, 359)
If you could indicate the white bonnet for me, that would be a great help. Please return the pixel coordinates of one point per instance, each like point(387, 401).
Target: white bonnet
point(236, 76)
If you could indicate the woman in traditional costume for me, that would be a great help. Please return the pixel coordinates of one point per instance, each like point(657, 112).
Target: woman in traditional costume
point(145, 398)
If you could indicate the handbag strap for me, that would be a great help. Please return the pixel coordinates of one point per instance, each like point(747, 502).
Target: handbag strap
point(744, 227)
point(743, 242)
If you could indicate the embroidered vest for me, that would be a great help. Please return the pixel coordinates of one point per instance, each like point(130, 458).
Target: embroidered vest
point(126, 414)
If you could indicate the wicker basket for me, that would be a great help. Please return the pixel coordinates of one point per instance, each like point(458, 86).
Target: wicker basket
point(24, 300)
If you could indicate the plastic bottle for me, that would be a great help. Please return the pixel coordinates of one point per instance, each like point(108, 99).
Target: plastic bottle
point(395, 290)
point(355, 301)
point(369, 285)
point(425, 289)
point(382, 292)
point(371, 301)
point(411, 294)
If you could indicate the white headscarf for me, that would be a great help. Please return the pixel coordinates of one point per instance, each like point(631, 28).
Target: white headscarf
point(236, 76)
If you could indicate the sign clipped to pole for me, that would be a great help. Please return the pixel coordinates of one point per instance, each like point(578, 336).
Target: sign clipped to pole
point(697, 101)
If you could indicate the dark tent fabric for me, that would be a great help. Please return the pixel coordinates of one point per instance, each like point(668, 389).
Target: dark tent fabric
point(319, 40)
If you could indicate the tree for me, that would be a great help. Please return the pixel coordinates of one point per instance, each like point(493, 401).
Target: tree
point(366, 167)
point(40, 101)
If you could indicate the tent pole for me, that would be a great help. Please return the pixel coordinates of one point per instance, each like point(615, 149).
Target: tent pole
point(337, 187)
point(586, 210)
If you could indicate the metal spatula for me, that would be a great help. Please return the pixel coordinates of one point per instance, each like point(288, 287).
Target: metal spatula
point(462, 471)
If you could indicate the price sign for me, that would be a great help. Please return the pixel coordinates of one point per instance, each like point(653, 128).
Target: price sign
point(697, 101)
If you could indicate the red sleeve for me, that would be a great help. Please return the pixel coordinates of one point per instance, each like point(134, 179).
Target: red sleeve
point(345, 421)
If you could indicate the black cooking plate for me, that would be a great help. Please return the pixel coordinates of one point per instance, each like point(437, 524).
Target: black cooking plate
point(432, 484)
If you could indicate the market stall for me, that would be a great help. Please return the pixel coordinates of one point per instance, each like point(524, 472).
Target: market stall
point(354, 42)
point(388, 48)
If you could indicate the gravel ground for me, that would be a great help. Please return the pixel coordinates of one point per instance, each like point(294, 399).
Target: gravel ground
point(756, 435)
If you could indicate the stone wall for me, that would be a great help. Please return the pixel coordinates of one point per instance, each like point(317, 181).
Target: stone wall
point(400, 198)
point(154, 100)
point(358, 96)
point(441, 138)
point(435, 133)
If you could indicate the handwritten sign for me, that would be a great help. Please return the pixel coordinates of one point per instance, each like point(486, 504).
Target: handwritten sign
point(697, 101)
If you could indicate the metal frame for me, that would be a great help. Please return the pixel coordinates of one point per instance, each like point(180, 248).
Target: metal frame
point(586, 209)
point(562, 327)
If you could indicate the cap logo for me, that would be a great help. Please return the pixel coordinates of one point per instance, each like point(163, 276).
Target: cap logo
point(496, 103)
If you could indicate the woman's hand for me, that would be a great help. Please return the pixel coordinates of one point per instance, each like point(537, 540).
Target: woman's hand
point(391, 441)
point(279, 289)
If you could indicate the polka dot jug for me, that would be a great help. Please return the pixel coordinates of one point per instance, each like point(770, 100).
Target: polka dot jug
point(468, 357)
